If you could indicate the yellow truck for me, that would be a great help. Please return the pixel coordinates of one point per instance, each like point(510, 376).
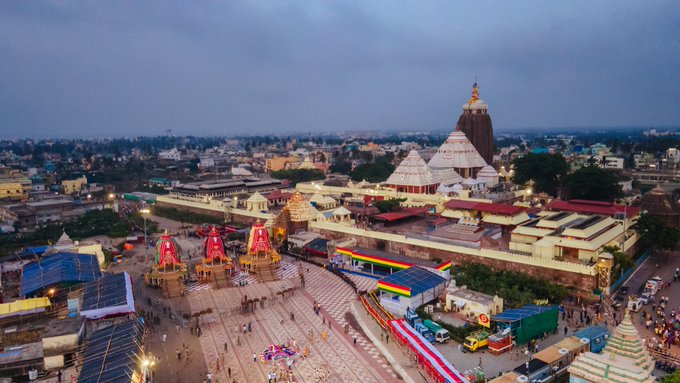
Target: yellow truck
point(477, 340)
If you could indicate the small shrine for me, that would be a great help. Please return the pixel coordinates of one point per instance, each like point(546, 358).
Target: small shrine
point(216, 264)
point(257, 202)
point(260, 258)
point(168, 272)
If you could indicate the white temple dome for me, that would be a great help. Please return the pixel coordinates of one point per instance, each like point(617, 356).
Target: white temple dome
point(412, 171)
point(457, 152)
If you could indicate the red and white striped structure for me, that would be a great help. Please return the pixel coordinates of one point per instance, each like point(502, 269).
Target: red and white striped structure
point(435, 364)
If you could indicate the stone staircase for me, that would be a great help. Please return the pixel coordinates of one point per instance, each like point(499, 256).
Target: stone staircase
point(220, 279)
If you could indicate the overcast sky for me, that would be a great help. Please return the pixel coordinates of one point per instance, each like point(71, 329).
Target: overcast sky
point(115, 68)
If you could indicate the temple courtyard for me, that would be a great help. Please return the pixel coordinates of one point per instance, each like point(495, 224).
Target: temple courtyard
point(220, 315)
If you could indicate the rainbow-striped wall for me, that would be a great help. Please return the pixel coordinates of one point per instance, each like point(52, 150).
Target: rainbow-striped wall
point(394, 289)
point(379, 261)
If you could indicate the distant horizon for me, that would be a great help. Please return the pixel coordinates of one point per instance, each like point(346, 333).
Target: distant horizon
point(512, 131)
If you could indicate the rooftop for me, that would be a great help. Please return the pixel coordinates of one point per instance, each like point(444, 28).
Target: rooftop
point(416, 278)
point(401, 214)
point(593, 207)
point(492, 208)
point(58, 268)
point(527, 311)
point(113, 354)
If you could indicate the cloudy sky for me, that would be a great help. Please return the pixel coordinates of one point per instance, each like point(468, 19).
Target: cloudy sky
point(115, 68)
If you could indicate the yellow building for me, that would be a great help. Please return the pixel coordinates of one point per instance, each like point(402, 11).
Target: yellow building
point(279, 163)
point(74, 186)
point(566, 235)
point(12, 190)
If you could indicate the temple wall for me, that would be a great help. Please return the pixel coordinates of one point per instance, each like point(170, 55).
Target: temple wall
point(215, 209)
point(567, 273)
point(191, 208)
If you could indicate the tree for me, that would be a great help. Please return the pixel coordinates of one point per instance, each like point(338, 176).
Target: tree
point(656, 234)
point(544, 170)
point(375, 172)
point(622, 261)
point(673, 378)
point(388, 205)
point(593, 183)
point(342, 167)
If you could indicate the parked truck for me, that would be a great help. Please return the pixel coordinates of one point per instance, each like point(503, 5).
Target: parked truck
point(425, 332)
point(441, 334)
point(412, 318)
point(477, 340)
point(500, 342)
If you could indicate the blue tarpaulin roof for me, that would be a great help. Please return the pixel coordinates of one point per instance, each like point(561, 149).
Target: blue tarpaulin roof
point(59, 268)
point(521, 313)
point(37, 250)
point(113, 354)
point(592, 332)
point(110, 295)
point(416, 278)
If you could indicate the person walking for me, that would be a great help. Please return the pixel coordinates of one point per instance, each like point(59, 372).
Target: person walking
point(226, 347)
point(229, 372)
point(254, 358)
point(164, 338)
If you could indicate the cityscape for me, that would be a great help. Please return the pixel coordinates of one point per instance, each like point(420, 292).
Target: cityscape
point(205, 193)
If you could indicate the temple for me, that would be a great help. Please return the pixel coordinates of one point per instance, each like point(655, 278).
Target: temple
point(457, 165)
point(459, 154)
point(168, 272)
point(413, 176)
point(625, 359)
point(475, 123)
point(260, 258)
point(216, 264)
point(659, 204)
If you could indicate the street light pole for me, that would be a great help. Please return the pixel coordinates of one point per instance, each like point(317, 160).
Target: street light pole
point(146, 240)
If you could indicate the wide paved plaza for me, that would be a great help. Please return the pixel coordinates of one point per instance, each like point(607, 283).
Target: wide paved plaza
point(335, 359)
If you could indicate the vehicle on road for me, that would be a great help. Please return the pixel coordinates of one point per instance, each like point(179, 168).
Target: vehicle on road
point(500, 342)
point(412, 318)
point(477, 340)
point(441, 334)
point(422, 330)
point(635, 303)
point(652, 286)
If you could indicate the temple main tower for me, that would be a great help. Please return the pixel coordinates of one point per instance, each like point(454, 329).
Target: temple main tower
point(475, 122)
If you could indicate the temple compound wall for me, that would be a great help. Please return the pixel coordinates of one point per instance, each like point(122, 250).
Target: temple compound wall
point(583, 277)
point(215, 209)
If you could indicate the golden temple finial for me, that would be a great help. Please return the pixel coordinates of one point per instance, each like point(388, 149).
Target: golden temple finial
point(475, 93)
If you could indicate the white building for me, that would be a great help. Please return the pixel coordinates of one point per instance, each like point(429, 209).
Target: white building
point(172, 154)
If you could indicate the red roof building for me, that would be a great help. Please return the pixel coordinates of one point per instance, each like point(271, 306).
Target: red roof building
point(493, 208)
point(401, 214)
point(594, 207)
